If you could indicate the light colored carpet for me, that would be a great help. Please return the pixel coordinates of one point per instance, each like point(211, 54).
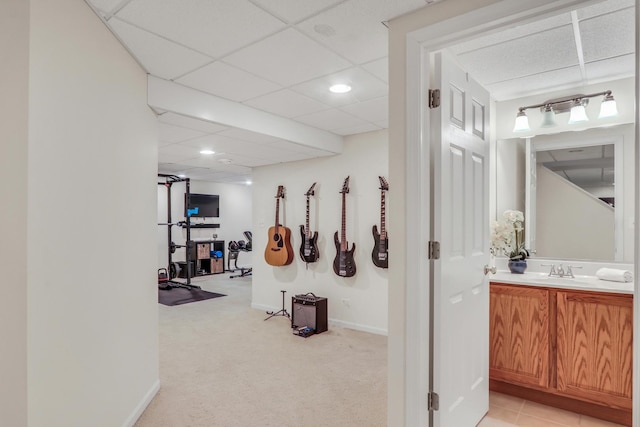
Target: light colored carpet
point(221, 364)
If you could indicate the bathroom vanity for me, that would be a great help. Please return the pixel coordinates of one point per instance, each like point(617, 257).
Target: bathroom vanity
point(563, 342)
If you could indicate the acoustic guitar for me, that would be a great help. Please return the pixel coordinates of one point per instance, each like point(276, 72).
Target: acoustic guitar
point(344, 265)
point(309, 247)
point(278, 251)
point(379, 254)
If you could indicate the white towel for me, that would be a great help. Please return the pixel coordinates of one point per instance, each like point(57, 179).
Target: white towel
point(614, 275)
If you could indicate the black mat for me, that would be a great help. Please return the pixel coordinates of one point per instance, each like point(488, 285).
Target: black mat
point(177, 296)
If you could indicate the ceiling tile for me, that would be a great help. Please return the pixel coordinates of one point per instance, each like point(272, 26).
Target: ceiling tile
point(191, 123)
point(611, 69)
point(286, 103)
point(287, 57)
point(354, 28)
point(526, 56)
point(356, 129)
point(158, 56)
point(536, 84)
point(364, 86)
point(331, 119)
point(247, 135)
point(605, 7)
point(379, 68)
point(213, 27)
point(227, 82)
point(608, 35)
point(295, 10)
point(171, 134)
point(221, 144)
point(503, 35)
point(373, 110)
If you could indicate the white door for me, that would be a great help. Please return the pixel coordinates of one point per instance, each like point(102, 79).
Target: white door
point(460, 155)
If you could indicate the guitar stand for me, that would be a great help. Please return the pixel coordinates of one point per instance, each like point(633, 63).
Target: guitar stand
point(282, 312)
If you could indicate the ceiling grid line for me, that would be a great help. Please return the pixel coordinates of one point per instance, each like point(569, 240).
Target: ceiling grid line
point(579, 49)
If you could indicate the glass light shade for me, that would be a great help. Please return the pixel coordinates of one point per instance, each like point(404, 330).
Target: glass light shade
point(522, 123)
point(548, 117)
point(578, 113)
point(608, 108)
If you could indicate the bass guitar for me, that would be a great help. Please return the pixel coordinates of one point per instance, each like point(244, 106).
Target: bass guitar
point(278, 251)
point(309, 247)
point(379, 254)
point(344, 265)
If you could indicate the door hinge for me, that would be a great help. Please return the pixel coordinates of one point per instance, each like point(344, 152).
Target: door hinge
point(433, 401)
point(434, 249)
point(434, 98)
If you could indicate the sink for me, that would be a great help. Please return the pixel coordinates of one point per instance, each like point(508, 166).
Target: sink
point(578, 282)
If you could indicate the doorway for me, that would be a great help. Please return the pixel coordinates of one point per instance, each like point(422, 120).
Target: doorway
point(420, 41)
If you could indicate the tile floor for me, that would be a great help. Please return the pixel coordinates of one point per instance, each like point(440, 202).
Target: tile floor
point(509, 411)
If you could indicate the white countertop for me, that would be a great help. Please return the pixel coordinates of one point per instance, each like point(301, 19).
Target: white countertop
point(580, 283)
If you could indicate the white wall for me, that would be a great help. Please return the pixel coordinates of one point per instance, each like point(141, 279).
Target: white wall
point(92, 287)
point(365, 157)
point(571, 223)
point(235, 216)
point(14, 75)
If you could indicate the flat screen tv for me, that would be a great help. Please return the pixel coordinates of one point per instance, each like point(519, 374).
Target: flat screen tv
point(202, 205)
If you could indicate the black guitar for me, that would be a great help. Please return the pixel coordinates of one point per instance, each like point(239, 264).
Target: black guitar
point(344, 264)
point(379, 254)
point(309, 248)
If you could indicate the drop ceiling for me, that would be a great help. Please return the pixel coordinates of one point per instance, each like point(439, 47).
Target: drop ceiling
point(280, 56)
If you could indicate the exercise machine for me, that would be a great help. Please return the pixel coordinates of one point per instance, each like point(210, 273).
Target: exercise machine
point(174, 267)
point(234, 251)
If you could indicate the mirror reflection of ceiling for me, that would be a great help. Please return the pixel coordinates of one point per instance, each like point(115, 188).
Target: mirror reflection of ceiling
point(277, 56)
point(587, 46)
point(590, 168)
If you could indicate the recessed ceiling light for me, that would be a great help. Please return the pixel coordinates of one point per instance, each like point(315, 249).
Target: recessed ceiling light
point(182, 175)
point(340, 88)
point(207, 152)
point(248, 182)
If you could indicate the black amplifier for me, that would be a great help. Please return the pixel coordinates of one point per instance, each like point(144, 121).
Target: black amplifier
point(309, 310)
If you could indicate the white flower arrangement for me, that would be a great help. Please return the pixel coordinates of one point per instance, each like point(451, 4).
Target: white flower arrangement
point(507, 236)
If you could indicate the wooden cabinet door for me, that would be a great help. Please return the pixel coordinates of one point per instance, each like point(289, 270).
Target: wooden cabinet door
point(519, 335)
point(595, 335)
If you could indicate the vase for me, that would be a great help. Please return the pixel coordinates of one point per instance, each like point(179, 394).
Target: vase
point(517, 266)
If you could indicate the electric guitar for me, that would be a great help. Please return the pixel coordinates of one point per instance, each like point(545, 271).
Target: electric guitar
point(344, 264)
point(278, 251)
point(309, 248)
point(381, 242)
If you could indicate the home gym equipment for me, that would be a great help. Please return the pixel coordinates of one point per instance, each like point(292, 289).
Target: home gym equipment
point(308, 310)
point(282, 312)
point(234, 251)
point(176, 268)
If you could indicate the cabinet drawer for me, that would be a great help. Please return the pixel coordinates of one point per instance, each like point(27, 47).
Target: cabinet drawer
point(204, 250)
point(216, 265)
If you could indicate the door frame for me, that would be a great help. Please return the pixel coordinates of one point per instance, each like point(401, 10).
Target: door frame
point(420, 44)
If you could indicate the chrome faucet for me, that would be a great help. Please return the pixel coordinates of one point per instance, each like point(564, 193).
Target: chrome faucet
point(559, 271)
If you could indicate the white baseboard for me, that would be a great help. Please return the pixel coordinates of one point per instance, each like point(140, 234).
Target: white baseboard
point(142, 405)
point(335, 322)
point(358, 327)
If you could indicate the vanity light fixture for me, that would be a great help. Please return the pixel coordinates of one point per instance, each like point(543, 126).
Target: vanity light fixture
point(575, 104)
point(548, 117)
point(340, 88)
point(522, 122)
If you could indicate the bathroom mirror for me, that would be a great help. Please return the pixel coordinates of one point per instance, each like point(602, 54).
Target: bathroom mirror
point(576, 190)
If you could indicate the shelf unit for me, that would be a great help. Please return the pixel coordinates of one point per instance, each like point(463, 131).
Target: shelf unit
point(200, 255)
